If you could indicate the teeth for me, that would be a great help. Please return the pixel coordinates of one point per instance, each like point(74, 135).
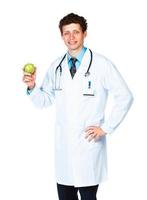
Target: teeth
point(72, 43)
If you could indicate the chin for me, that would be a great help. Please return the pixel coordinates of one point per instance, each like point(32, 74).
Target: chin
point(73, 48)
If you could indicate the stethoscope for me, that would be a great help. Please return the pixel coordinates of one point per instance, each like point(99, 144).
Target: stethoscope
point(59, 68)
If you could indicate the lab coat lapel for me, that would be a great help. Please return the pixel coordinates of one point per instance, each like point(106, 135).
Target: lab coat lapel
point(66, 80)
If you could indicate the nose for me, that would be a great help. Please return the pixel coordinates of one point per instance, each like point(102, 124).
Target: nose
point(72, 36)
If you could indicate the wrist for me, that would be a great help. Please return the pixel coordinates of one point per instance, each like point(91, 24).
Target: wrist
point(103, 132)
point(31, 87)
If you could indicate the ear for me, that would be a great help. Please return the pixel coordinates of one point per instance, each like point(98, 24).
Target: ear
point(62, 36)
point(85, 34)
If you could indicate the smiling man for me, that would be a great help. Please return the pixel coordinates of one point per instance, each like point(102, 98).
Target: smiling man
point(80, 82)
point(73, 37)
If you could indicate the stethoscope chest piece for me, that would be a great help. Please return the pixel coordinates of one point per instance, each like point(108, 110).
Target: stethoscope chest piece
point(87, 74)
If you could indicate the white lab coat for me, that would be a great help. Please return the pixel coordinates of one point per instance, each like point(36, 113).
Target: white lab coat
point(77, 161)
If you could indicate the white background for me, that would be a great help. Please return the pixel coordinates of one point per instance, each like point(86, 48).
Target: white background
point(29, 33)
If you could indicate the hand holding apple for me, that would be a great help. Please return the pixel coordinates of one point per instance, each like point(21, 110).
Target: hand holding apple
point(29, 76)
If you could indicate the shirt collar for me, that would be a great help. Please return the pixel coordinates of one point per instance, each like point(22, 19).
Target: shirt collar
point(79, 56)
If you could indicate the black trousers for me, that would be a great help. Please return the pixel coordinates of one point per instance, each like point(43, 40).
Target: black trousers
point(66, 192)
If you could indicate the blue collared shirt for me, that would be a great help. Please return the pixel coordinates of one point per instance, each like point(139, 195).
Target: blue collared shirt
point(78, 57)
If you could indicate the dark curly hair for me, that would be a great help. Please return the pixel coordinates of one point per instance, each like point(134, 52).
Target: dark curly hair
point(73, 18)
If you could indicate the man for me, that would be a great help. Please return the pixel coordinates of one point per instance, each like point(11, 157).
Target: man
point(80, 82)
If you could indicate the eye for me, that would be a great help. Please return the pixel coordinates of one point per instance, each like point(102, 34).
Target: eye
point(76, 32)
point(65, 33)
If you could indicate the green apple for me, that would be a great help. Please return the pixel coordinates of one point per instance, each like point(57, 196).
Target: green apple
point(29, 68)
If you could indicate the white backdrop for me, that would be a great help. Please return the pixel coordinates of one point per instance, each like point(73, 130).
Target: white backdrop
point(29, 33)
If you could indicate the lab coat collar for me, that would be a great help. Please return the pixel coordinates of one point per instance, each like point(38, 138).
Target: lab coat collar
point(83, 67)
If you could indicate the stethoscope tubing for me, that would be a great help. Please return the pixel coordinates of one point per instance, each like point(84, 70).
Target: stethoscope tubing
point(60, 67)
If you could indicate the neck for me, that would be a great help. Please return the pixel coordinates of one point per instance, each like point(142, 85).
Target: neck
point(74, 52)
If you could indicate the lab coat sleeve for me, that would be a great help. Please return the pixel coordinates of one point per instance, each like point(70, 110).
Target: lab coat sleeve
point(43, 96)
point(123, 98)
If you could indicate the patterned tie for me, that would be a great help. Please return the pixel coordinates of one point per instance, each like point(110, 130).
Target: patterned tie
point(73, 66)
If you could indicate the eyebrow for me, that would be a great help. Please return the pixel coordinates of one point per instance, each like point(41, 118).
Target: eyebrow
point(72, 30)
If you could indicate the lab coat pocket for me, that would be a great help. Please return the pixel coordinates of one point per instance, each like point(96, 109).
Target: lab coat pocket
point(89, 98)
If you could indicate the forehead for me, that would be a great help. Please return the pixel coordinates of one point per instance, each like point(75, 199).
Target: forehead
point(71, 27)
